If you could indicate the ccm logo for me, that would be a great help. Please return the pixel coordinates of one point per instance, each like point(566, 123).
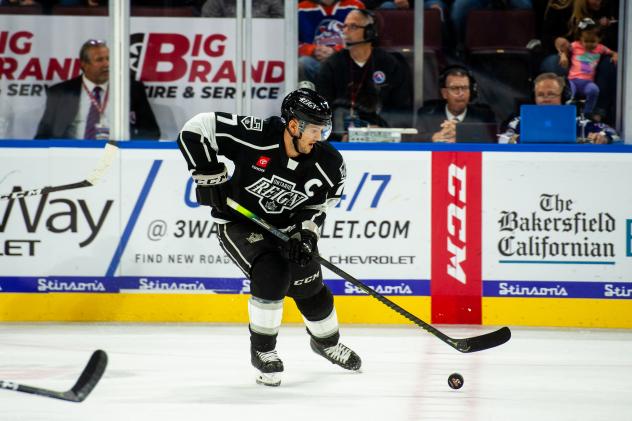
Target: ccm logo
point(307, 280)
point(456, 212)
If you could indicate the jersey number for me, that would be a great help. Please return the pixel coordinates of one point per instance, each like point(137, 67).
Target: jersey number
point(232, 121)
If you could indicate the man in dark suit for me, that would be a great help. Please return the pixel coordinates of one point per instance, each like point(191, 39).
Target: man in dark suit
point(437, 122)
point(78, 108)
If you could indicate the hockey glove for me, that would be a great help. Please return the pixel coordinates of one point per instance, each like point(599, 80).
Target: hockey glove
point(210, 189)
point(301, 245)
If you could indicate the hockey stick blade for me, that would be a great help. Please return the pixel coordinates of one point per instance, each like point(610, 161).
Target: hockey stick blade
point(104, 163)
point(79, 392)
point(465, 345)
point(482, 342)
point(97, 173)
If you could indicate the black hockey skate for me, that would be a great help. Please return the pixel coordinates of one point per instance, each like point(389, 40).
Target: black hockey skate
point(269, 365)
point(338, 354)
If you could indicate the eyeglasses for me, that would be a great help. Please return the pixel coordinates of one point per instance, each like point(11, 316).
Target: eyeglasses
point(457, 89)
point(352, 26)
point(548, 95)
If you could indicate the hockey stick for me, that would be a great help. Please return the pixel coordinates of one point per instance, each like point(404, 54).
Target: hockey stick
point(473, 344)
point(87, 381)
point(96, 174)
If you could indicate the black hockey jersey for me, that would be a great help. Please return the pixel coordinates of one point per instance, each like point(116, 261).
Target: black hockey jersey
point(282, 190)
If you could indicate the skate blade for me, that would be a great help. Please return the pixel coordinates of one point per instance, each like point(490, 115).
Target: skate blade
point(268, 379)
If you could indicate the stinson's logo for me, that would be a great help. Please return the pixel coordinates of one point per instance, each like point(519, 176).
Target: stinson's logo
point(276, 194)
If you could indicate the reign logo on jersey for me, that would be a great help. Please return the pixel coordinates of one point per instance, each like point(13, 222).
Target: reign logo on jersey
point(276, 194)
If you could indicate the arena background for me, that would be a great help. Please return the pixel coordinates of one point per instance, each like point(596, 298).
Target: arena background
point(520, 235)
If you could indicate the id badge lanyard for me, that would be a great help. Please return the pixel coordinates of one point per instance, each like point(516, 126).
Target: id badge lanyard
point(100, 107)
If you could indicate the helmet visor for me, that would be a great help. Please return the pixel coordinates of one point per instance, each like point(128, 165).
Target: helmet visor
point(316, 130)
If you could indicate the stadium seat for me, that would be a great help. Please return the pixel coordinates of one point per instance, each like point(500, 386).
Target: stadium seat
point(433, 52)
point(496, 46)
point(499, 29)
point(80, 10)
point(433, 32)
point(184, 11)
point(397, 29)
point(397, 33)
point(34, 9)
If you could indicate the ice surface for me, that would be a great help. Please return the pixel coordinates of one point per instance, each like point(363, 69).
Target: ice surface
point(190, 372)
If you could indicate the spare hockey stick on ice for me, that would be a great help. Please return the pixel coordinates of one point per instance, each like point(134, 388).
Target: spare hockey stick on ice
point(473, 344)
point(87, 381)
point(104, 163)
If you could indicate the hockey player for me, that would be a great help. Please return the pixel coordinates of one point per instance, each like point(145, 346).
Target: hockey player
point(287, 174)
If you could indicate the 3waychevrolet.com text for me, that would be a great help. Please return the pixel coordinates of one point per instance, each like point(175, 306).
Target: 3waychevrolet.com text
point(334, 229)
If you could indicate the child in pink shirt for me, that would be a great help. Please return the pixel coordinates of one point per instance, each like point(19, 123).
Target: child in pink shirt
point(585, 54)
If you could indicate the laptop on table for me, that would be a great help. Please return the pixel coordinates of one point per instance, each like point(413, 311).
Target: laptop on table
point(548, 124)
point(476, 132)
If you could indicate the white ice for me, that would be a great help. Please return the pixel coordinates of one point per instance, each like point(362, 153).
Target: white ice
point(190, 372)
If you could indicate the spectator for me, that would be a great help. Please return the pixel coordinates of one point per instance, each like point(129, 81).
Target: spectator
point(560, 22)
point(89, 3)
point(320, 33)
point(603, 12)
point(584, 54)
point(365, 86)
point(227, 9)
point(19, 2)
point(548, 90)
point(437, 122)
point(404, 4)
point(461, 8)
point(78, 108)
point(388, 4)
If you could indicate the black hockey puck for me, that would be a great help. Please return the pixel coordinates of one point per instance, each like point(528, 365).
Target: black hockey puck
point(455, 381)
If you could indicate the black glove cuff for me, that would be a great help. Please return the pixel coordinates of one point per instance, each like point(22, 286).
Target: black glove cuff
point(211, 177)
point(211, 196)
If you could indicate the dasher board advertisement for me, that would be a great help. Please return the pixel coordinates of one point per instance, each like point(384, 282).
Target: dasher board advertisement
point(557, 225)
point(186, 69)
point(140, 229)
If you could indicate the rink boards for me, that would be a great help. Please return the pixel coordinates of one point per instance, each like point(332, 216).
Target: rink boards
point(501, 235)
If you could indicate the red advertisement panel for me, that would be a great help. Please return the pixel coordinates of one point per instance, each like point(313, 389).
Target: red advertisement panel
point(456, 286)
